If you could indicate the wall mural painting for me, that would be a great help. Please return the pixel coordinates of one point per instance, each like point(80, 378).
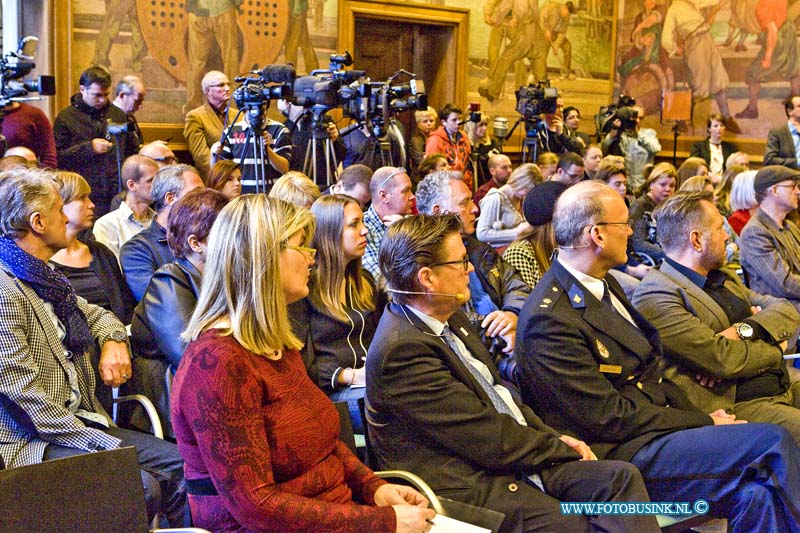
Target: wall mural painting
point(738, 58)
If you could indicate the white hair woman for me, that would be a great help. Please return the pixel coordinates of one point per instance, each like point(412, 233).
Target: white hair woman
point(259, 439)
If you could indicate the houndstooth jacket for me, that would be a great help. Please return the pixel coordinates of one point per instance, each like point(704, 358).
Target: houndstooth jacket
point(34, 388)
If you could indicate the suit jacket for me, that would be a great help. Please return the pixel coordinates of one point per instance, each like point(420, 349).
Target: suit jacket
point(589, 372)
point(688, 321)
point(703, 150)
point(427, 414)
point(203, 128)
point(780, 148)
point(34, 387)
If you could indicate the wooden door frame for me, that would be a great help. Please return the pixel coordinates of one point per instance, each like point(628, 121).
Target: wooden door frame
point(430, 15)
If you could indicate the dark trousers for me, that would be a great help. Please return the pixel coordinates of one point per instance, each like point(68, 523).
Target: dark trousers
point(161, 467)
point(748, 473)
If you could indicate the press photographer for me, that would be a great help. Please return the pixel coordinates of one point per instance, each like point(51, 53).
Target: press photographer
point(84, 142)
point(620, 124)
point(22, 124)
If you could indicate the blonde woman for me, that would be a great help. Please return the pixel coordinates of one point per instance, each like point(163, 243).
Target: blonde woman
point(501, 221)
point(426, 123)
point(483, 146)
point(259, 439)
point(296, 188)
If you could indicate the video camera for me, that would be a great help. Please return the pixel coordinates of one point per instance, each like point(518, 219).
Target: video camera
point(375, 103)
point(622, 110)
point(271, 82)
point(536, 100)
point(16, 65)
point(323, 90)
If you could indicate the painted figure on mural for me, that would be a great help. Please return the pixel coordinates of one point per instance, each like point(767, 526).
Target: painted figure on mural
point(298, 37)
point(778, 58)
point(116, 12)
point(527, 41)
point(743, 20)
point(499, 22)
point(647, 52)
point(554, 19)
point(210, 21)
point(686, 34)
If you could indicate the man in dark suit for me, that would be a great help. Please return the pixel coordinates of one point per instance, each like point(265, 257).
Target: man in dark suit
point(435, 405)
point(589, 364)
point(782, 142)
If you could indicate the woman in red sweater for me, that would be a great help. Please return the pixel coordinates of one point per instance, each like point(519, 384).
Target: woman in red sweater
point(259, 439)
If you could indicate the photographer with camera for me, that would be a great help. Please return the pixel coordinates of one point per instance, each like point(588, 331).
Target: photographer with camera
point(624, 138)
point(84, 134)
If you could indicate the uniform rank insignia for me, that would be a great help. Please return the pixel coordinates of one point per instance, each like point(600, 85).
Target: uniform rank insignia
point(602, 349)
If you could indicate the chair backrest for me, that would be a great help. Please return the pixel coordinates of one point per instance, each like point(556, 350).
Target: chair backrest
point(96, 492)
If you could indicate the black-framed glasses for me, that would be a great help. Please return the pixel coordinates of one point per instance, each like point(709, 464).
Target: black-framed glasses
point(168, 160)
point(464, 263)
point(793, 186)
point(628, 223)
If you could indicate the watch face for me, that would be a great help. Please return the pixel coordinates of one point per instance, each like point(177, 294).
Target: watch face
point(119, 336)
point(744, 330)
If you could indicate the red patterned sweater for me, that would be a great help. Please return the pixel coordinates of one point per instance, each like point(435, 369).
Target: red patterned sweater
point(268, 439)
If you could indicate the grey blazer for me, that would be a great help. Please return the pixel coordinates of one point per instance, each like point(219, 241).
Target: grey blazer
point(34, 387)
point(780, 148)
point(688, 321)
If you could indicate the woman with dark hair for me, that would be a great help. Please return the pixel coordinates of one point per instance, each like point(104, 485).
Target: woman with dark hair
point(260, 441)
point(91, 268)
point(713, 150)
point(226, 177)
point(343, 306)
point(171, 295)
point(431, 163)
point(691, 167)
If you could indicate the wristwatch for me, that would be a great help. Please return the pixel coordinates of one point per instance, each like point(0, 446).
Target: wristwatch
point(744, 330)
point(118, 335)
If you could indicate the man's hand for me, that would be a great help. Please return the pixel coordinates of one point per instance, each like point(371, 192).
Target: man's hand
point(708, 382)
point(755, 309)
point(101, 146)
point(499, 323)
point(721, 418)
point(730, 333)
point(524, 229)
point(115, 363)
point(638, 271)
point(579, 446)
point(333, 131)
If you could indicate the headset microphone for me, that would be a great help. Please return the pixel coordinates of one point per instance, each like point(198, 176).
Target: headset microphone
point(460, 296)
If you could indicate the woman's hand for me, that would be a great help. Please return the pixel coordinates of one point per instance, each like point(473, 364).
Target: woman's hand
point(391, 494)
point(410, 506)
point(411, 519)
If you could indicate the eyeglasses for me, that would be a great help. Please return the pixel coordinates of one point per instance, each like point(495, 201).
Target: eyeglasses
point(397, 172)
point(628, 223)
point(170, 159)
point(464, 263)
point(223, 84)
point(793, 186)
point(310, 252)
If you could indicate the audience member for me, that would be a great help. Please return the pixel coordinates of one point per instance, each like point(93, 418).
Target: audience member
point(499, 168)
point(531, 254)
point(451, 141)
point(243, 360)
point(204, 124)
point(300, 123)
point(547, 163)
point(589, 364)
point(363, 147)
point(426, 123)
point(24, 152)
point(392, 199)
point(497, 292)
point(552, 137)
point(354, 182)
point(146, 251)
point(722, 353)
point(84, 144)
point(713, 150)
point(638, 146)
point(432, 383)
point(431, 163)
point(572, 120)
point(592, 159)
point(296, 188)
point(722, 191)
point(569, 169)
point(13, 161)
point(129, 96)
point(501, 221)
point(613, 174)
point(743, 200)
point(704, 184)
point(738, 158)
point(160, 152)
point(28, 126)
point(49, 407)
point(781, 148)
point(692, 166)
point(343, 307)
point(226, 178)
point(770, 243)
point(660, 185)
point(483, 146)
point(134, 214)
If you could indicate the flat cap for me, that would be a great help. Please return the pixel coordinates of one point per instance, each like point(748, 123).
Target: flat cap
point(768, 176)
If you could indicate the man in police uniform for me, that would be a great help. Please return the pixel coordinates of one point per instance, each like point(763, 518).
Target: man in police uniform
point(588, 364)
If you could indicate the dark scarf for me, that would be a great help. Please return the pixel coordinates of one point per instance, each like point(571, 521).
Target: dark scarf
point(53, 287)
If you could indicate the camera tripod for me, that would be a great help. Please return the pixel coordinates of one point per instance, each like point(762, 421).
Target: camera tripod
point(320, 142)
point(252, 152)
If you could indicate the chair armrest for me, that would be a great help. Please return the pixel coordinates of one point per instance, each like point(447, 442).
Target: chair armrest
point(418, 484)
point(148, 406)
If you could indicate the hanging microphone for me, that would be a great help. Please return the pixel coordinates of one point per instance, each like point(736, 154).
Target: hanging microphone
point(460, 296)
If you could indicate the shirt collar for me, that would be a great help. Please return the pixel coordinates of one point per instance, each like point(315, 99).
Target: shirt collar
point(435, 324)
point(694, 276)
point(595, 286)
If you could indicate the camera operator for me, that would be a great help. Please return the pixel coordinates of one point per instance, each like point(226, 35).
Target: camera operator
point(364, 148)
point(554, 137)
point(299, 122)
point(27, 126)
point(83, 141)
point(637, 146)
point(130, 96)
